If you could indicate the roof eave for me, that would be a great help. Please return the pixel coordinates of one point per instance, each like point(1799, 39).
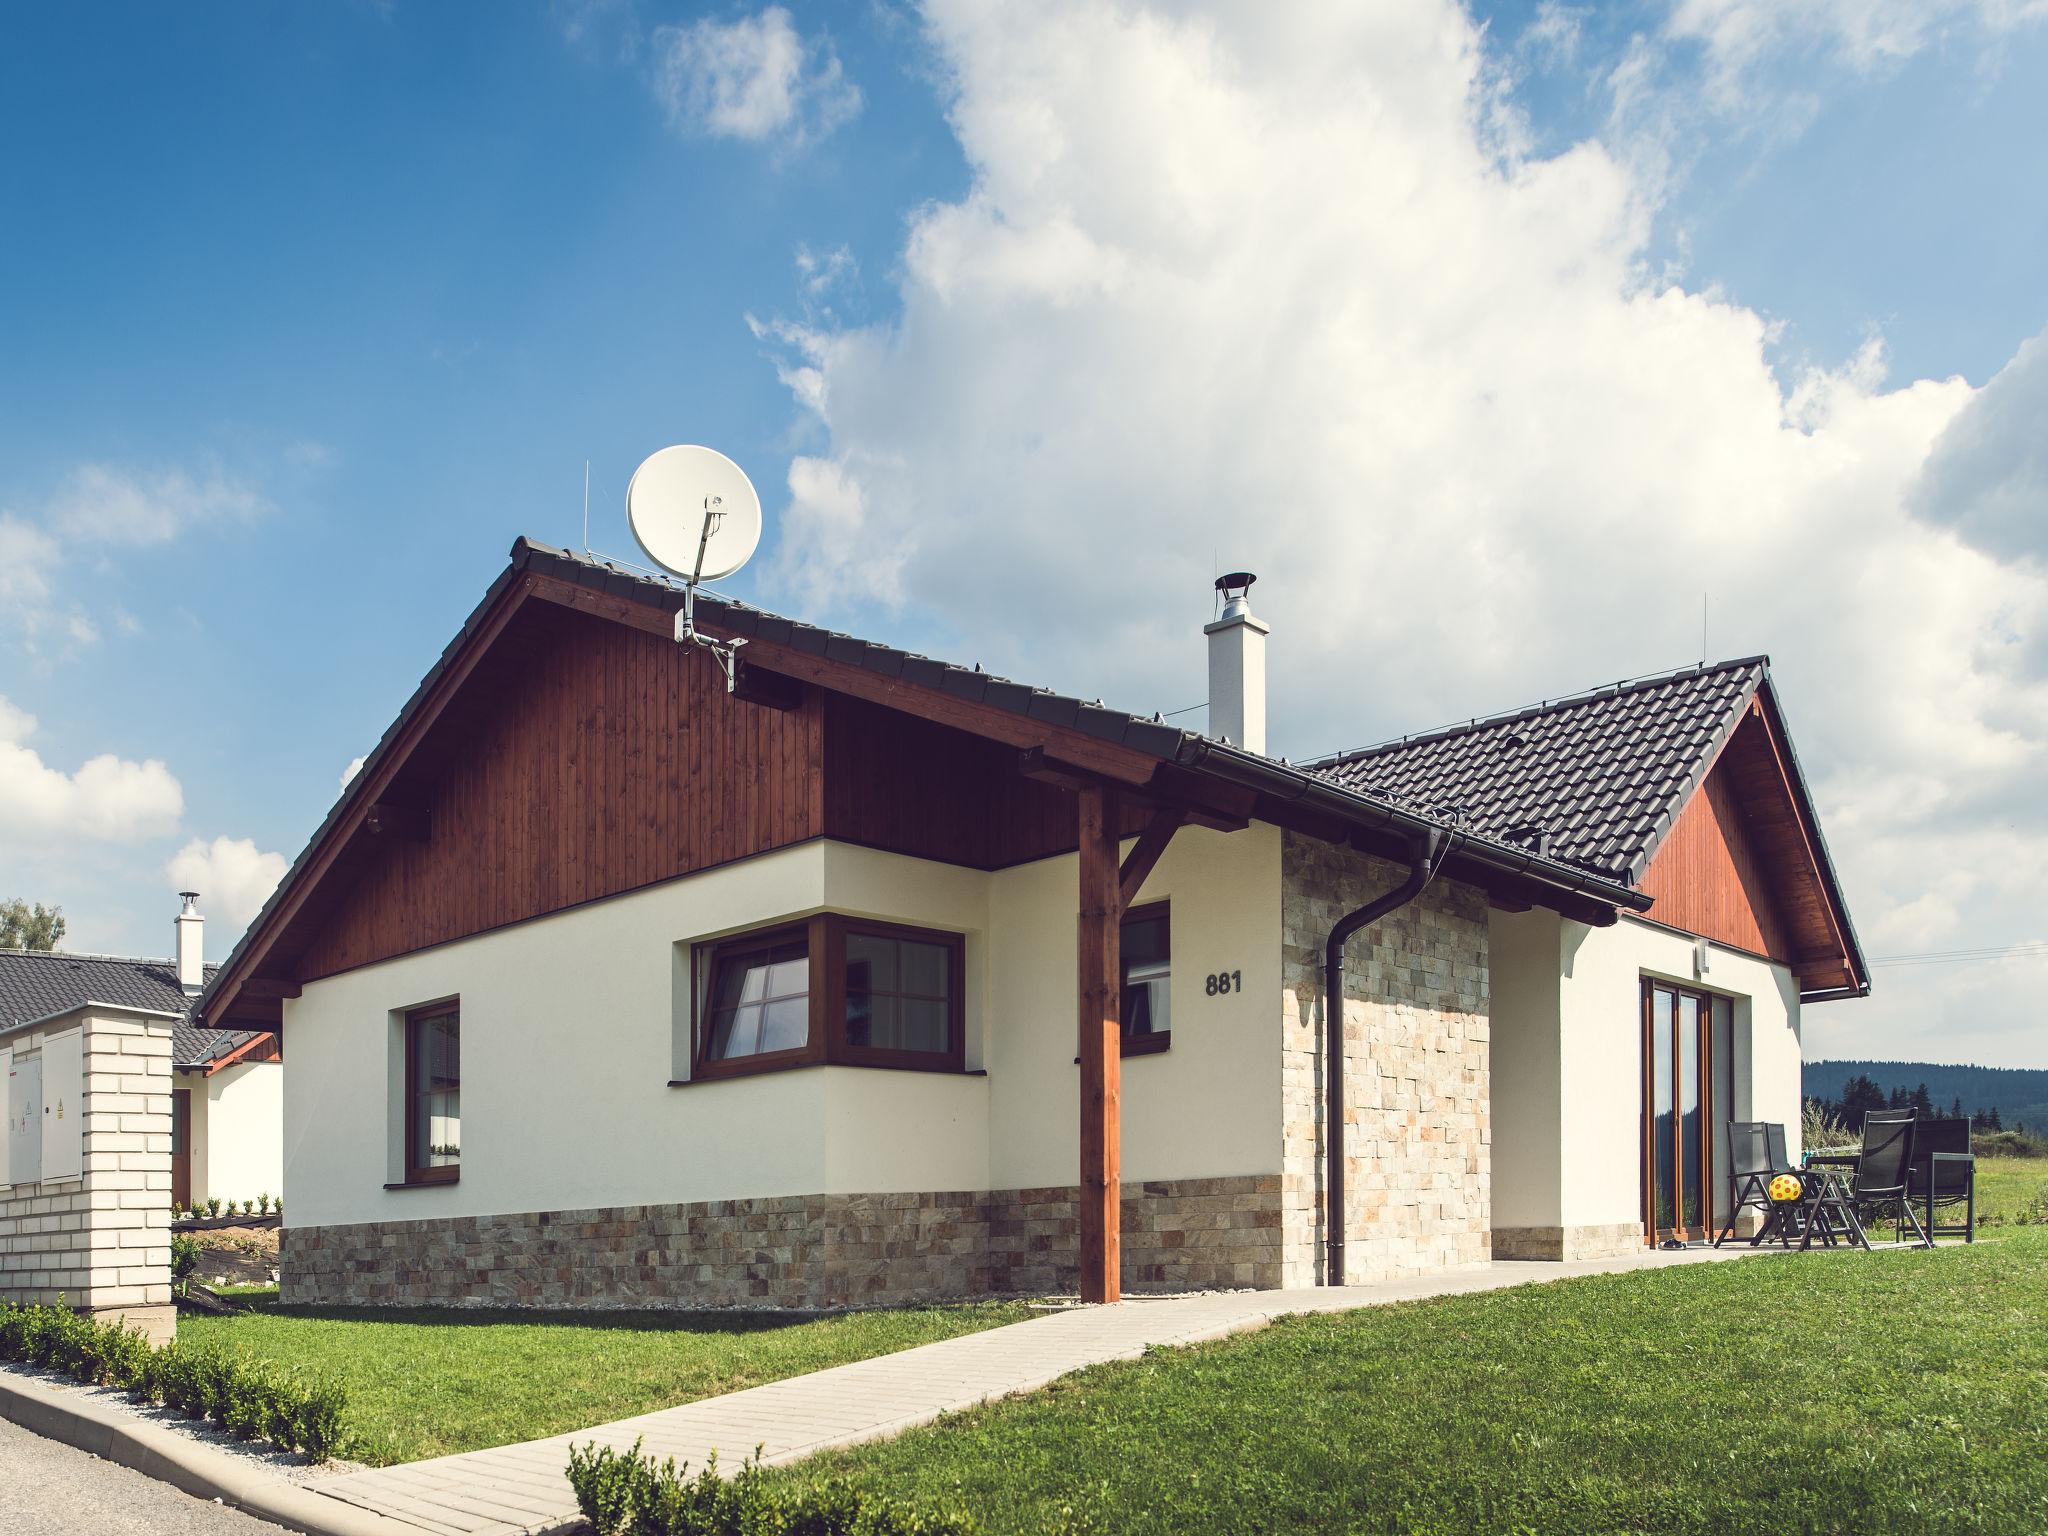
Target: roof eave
point(1286, 782)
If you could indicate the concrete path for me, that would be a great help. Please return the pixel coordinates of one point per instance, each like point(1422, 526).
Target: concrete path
point(522, 1488)
point(52, 1489)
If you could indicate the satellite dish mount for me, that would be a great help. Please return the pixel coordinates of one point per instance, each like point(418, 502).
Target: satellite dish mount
point(697, 516)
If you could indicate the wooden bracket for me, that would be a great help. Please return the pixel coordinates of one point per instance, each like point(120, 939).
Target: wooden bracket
point(1139, 861)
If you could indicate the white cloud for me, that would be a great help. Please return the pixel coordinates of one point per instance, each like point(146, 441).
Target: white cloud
point(1988, 474)
point(232, 877)
point(108, 798)
point(96, 509)
point(348, 774)
point(1745, 38)
point(754, 78)
point(1271, 288)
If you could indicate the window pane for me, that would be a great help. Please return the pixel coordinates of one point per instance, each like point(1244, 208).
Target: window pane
point(1663, 1133)
point(759, 1000)
point(1145, 1006)
point(1146, 976)
point(437, 1092)
point(925, 1025)
point(925, 969)
point(899, 993)
point(1690, 1180)
point(1144, 941)
point(786, 1024)
point(870, 963)
point(872, 1020)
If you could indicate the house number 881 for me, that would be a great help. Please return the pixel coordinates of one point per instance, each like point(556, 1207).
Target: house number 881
point(1224, 981)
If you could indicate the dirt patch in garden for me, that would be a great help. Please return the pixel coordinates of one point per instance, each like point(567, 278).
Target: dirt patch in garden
point(236, 1256)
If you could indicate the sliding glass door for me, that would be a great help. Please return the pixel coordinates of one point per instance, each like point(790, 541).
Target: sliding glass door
point(1687, 1073)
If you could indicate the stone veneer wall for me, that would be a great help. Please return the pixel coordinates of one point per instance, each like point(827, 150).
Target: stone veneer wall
point(1418, 1133)
point(102, 1241)
point(1611, 1241)
point(792, 1251)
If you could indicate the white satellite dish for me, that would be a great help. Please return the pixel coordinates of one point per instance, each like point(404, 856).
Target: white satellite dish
point(694, 511)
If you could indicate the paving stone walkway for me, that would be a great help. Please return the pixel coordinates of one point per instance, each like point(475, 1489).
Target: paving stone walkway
point(522, 1488)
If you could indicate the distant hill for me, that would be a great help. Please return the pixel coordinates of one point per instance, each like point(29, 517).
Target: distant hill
point(2020, 1094)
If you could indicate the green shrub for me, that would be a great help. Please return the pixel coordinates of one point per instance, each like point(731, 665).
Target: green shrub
point(627, 1493)
point(248, 1398)
point(184, 1258)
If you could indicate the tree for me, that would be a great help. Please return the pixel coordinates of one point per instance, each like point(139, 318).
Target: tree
point(1922, 1103)
point(1955, 1110)
point(1991, 1122)
point(30, 927)
point(1858, 1095)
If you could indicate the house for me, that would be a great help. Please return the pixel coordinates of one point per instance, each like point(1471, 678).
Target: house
point(868, 978)
point(226, 1094)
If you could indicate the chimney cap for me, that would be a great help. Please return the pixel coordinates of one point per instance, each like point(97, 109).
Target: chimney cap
point(1235, 583)
point(190, 899)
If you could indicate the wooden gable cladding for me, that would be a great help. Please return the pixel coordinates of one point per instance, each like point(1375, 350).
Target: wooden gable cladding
point(584, 759)
point(1708, 878)
point(914, 786)
point(1741, 865)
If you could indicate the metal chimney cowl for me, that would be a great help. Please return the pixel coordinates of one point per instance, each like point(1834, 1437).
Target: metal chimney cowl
point(1237, 667)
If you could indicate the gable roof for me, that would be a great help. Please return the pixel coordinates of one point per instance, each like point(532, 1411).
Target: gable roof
point(38, 984)
point(1066, 730)
point(1599, 779)
point(1599, 776)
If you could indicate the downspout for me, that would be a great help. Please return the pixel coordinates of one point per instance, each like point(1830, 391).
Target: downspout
point(1425, 863)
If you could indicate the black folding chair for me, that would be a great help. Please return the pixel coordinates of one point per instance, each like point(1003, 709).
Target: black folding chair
point(1751, 1170)
point(1944, 1175)
point(1879, 1181)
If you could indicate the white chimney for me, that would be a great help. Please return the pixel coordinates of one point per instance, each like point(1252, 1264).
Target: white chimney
point(191, 951)
point(1237, 667)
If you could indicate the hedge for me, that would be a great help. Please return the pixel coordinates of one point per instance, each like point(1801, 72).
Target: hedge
point(248, 1398)
point(626, 1493)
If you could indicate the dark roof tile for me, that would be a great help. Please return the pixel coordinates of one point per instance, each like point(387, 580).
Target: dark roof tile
point(1599, 776)
point(36, 984)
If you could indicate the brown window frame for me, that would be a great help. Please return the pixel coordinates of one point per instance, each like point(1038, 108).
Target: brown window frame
point(1708, 1052)
point(446, 1173)
point(825, 935)
point(1158, 1040)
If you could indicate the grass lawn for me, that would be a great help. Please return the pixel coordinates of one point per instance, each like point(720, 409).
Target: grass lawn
point(2008, 1185)
point(426, 1383)
point(1829, 1392)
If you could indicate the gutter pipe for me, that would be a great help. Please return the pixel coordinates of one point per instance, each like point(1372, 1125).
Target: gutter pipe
point(1430, 853)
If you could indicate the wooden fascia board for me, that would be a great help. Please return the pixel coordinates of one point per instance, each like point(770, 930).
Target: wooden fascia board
point(1802, 816)
point(1105, 759)
point(254, 1042)
point(367, 789)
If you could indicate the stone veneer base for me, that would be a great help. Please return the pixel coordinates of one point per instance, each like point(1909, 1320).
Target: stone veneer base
point(806, 1251)
point(1613, 1240)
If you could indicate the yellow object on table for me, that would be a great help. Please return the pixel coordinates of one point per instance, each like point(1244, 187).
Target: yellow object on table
point(1786, 1188)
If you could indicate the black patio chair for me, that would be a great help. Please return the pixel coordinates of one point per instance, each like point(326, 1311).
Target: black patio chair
point(1878, 1182)
point(1751, 1170)
point(1944, 1175)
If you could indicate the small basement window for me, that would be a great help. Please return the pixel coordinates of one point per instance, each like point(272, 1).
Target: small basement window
point(835, 989)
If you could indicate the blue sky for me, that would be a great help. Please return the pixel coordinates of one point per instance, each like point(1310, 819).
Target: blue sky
point(339, 299)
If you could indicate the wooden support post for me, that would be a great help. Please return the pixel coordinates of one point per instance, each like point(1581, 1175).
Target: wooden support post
point(1101, 1047)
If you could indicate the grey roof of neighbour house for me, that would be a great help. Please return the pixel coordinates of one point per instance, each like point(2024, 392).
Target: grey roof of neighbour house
point(1599, 776)
point(40, 984)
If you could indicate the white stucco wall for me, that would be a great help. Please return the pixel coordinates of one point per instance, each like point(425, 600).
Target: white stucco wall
point(1528, 1091)
point(573, 1025)
point(1593, 1148)
point(237, 1131)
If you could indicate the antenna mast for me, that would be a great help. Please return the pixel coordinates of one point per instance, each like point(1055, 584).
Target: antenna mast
point(727, 652)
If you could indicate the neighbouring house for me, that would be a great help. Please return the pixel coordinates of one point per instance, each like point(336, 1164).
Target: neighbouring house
point(226, 1090)
point(876, 979)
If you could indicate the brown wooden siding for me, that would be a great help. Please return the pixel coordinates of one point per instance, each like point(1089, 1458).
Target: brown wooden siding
point(587, 758)
point(592, 759)
point(1708, 878)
